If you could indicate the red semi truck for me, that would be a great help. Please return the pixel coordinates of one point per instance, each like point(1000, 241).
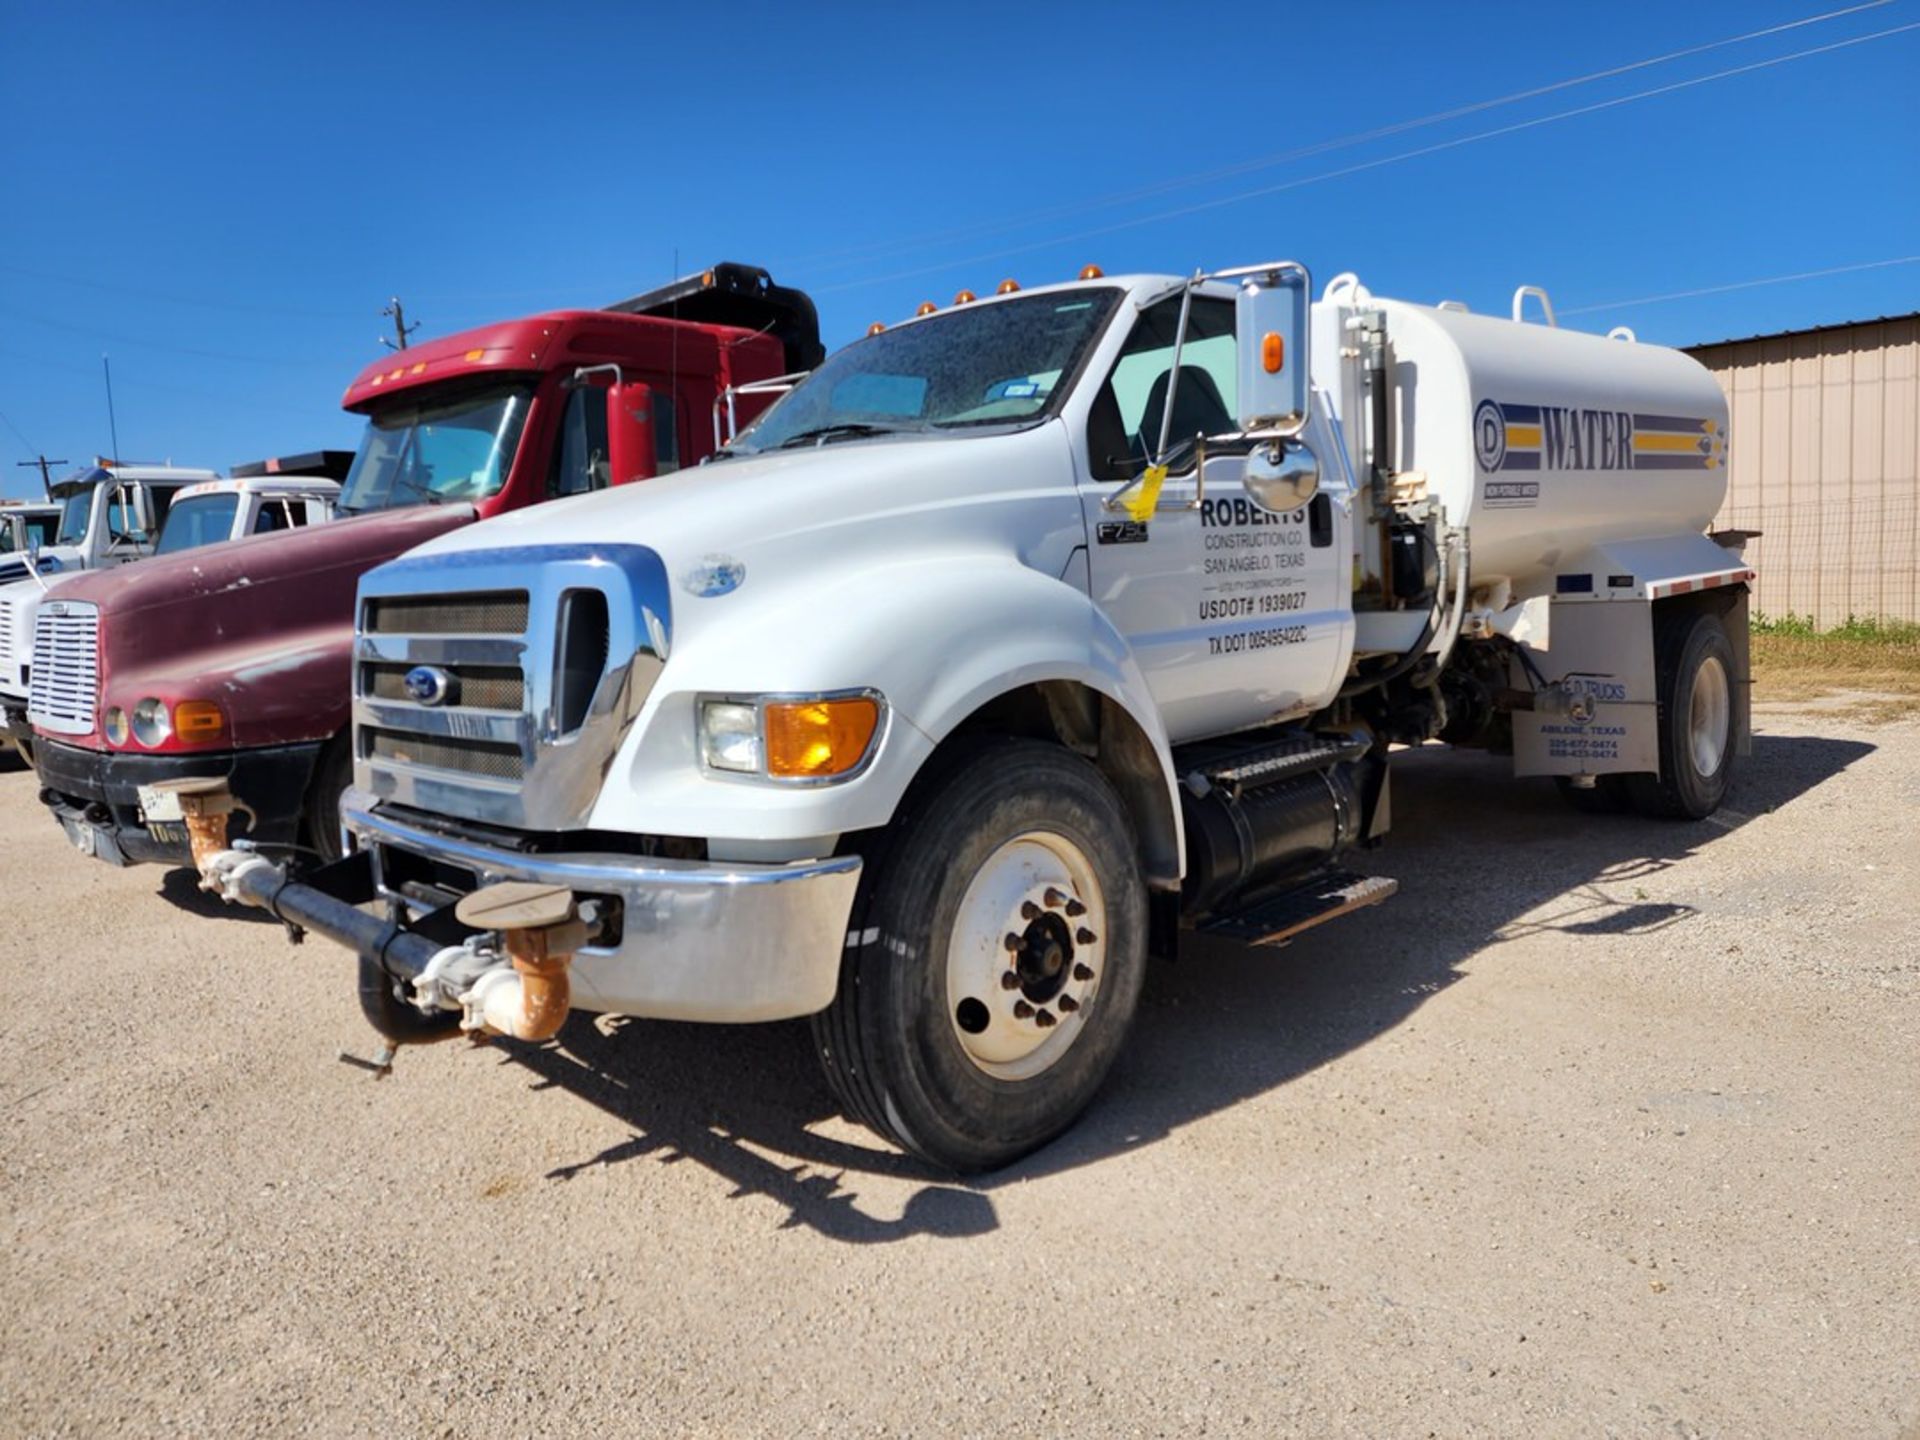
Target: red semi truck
point(234, 660)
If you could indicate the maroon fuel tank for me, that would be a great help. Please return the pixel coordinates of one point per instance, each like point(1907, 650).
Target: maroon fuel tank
point(263, 626)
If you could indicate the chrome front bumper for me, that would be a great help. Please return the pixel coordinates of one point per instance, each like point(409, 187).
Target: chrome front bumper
point(699, 940)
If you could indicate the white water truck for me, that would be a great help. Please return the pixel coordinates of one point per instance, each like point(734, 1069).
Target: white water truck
point(1016, 640)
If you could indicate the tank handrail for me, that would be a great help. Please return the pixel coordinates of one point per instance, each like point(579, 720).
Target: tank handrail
point(1346, 285)
point(1458, 307)
point(1520, 304)
point(1623, 332)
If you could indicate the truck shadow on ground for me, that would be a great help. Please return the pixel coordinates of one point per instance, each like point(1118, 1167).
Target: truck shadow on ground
point(1224, 1024)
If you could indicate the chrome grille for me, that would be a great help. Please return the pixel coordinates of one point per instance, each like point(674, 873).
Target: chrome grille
point(481, 687)
point(6, 638)
point(535, 663)
point(463, 757)
point(65, 681)
point(497, 612)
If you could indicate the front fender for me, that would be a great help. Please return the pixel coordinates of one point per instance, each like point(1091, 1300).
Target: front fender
point(938, 636)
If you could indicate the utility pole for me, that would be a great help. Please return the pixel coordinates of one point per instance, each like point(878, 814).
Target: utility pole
point(401, 330)
point(46, 478)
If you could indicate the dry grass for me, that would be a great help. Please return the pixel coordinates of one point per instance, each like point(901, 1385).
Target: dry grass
point(1873, 670)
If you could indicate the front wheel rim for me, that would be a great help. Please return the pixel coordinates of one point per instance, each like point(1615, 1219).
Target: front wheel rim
point(1709, 717)
point(1025, 957)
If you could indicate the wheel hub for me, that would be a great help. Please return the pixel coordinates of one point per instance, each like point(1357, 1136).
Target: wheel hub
point(1024, 958)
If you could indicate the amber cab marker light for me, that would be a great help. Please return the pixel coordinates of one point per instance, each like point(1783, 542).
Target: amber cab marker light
point(197, 720)
point(876, 327)
point(1273, 352)
point(1091, 272)
point(965, 297)
point(818, 739)
point(1007, 286)
point(927, 307)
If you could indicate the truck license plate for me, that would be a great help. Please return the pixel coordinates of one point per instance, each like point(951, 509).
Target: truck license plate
point(167, 834)
point(159, 806)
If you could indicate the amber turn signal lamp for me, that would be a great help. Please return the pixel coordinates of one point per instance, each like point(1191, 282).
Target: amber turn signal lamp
point(198, 720)
point(1091, 272)
point(1273, 352)
point(815, 739)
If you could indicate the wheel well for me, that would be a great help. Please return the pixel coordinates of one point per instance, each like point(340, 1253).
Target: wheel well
point(1097, 727)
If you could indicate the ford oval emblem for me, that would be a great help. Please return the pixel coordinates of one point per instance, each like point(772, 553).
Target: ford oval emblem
point(714, 575)
point(428, 685)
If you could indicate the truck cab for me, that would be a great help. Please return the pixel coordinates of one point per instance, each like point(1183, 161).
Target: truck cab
point(109, 514)
point(1019, 638)
point(26, 527)
point(155, 674)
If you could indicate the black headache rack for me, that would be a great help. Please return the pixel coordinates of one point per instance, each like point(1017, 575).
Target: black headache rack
point(325, 464)
point(745, 297)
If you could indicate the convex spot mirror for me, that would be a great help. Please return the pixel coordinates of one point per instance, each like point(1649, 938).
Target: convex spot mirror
point(1270, 324)
point(1282, 476)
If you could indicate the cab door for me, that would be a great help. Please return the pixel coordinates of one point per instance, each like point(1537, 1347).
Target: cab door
point(1235, 615)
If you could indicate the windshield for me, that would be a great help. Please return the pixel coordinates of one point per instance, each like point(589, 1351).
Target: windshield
point(74, 513)
point(203, 520)
point(997, 364)
point(41, 529)
point(434, 452)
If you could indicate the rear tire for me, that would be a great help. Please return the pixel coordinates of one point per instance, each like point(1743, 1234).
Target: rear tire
point(936, 1037)
point(1696, 676)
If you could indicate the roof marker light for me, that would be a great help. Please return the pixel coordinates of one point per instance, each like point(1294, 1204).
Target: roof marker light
point(1007, 286)
point(474, 356)
point(1091, 272)
point(965, 297)
point(927, 307)
point(418, 367)
point(876, 327)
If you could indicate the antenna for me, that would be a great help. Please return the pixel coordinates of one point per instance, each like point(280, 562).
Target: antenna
point(397, 313)
point(113, 428)
point(46, 479)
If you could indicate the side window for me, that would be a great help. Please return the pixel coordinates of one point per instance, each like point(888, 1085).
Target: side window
point(666, 432)
point(160, 500)
point(580, 460)
point(280, 515)
point(1124, 427)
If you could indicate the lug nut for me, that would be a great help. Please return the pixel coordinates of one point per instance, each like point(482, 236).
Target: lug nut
point(1083, 972)
point(1084, 936)
point(1045, 1019)
point(1029, 910)
point(1022, 1010)
point(1068, 1004)
point(1012, 942)
point(1076, 909)
point(1054, 898)
point(1010, 980)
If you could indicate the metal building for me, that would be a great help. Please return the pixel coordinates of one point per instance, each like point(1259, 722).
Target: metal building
point(1823, 462)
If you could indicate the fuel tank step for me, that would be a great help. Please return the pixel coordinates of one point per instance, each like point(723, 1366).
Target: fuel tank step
point(1277, 919)
point(1243, 768)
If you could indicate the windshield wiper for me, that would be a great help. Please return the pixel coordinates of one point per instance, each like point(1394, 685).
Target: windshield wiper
point(850, 428)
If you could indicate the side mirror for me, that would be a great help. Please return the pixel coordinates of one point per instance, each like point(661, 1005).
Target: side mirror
point(630, 452)
point(1282, 476)
point(1270, 321)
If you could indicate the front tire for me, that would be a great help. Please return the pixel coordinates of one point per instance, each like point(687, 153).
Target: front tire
point(332, 774)
point(1696, 675)
point(1001, 947)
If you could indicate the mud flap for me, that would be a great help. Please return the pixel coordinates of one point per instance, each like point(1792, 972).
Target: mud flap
point(1603, 651)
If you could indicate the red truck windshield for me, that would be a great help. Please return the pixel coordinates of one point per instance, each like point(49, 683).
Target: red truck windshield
point(430, 452)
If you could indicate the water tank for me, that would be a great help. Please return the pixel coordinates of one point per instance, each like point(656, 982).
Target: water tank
point(1542, 442)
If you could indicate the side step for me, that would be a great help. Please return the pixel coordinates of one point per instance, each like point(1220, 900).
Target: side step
point(1326, 897)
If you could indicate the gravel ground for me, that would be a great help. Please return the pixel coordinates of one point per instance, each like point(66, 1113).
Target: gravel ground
point(1600, 1127)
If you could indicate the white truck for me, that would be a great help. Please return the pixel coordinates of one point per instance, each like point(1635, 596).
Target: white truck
point(204, 512)
point(1016, 639)
point(26, 526)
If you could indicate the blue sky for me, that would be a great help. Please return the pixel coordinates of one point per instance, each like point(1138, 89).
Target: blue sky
point(221, 198)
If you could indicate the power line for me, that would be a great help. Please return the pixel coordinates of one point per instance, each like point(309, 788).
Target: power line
point(1322, 147)
point(1365, 165)
point(31, 447)
point(1742, 285)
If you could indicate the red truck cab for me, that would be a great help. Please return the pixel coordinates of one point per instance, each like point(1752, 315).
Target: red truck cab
point(234, 660)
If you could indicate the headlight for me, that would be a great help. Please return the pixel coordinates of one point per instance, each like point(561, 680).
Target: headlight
point(730, 736)
point(824, 737)
point(152, 725)
point(115, 726)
